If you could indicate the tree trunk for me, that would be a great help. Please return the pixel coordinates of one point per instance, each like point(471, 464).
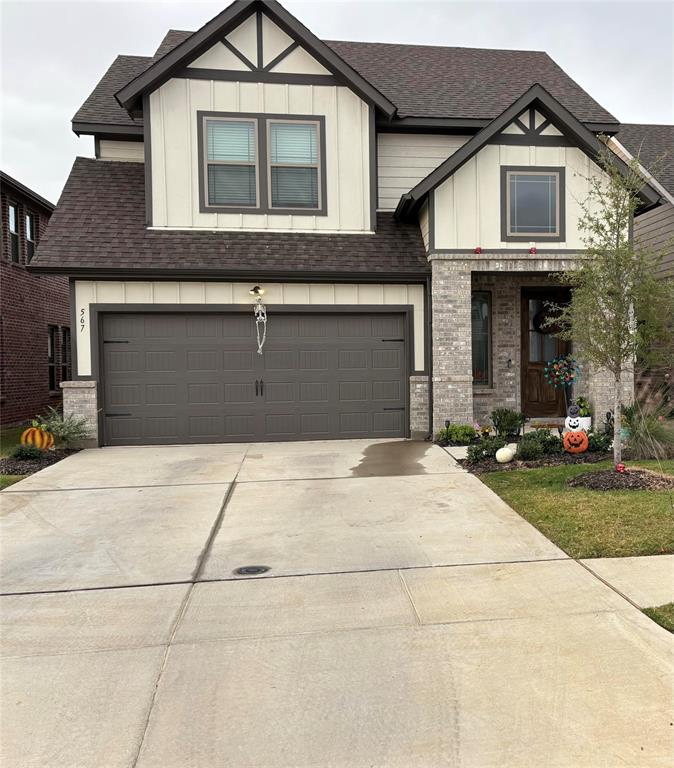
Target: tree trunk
point(617, 420)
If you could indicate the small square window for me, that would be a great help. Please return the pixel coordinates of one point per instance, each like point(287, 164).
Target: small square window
point(533, 204)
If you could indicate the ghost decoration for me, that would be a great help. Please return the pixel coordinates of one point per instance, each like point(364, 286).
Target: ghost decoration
point(572, 421)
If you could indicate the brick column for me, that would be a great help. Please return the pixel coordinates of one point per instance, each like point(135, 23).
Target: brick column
point(80, 399)
point(452, 349)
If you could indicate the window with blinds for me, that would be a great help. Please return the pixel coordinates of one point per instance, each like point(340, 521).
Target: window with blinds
point(231, 162)
point(294, 159)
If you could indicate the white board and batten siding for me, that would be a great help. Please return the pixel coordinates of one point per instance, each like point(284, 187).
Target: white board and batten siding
point(173, 294)
point(175, 156)
point(121, 151)
point(468, 204)
point(404, 159)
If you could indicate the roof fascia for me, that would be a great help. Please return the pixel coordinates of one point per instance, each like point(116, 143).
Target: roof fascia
point(162, 70)
point(107, 129)
point(565, 121)
point(5, 178)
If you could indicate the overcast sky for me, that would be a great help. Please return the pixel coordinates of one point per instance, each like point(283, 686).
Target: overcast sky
point(53, 53)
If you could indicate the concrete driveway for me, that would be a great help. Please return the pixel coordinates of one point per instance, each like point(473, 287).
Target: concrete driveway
point(408, 618)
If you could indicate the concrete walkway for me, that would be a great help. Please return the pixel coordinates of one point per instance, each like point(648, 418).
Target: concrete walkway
point(647, 581)
point(408, 618)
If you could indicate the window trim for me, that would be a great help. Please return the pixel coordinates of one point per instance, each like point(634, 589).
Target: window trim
point(30, 242)
point(14, 236)
point(263, 176)
point(52, 336)
point(490, 343)
point(66, 353)
point(556, 237)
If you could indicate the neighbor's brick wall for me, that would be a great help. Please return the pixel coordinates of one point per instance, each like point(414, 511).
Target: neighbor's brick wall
point(29, 304)
point(419, 406)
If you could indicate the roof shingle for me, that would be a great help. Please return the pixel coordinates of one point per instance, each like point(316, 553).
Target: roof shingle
point(421, 80)
point(99, 223)
point(655, 146)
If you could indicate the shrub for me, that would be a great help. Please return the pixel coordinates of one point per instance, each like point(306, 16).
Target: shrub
point(584, 404)
point(599, 442)
point(457, 434)
point(27, 453)
point(535, 445)
point(485, 449)
point(507, 423)
point(651, 433)
point(66, 429)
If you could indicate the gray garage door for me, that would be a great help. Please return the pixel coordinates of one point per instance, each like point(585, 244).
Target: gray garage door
point(197, 377)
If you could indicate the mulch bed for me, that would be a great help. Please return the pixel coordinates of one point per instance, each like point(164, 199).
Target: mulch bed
point(553, 460)
point(30, 466)
point(631, 480)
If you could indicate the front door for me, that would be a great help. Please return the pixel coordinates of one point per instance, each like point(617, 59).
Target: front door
point(539, 346)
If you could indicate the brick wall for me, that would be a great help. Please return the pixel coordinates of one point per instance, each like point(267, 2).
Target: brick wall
point(452, 361)
point(80, 399)
point(30, 303)
point(419, 406)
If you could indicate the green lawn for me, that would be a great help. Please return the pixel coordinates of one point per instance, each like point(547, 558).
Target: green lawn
point(7, 480)
point(588, 523)
point(10, 437)
point(663, 614)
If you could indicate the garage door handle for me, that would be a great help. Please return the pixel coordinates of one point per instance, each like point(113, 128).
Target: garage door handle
point(262, 386)
point(393, 409)
point(116, 415)
point(393, 339)
point(257, 387)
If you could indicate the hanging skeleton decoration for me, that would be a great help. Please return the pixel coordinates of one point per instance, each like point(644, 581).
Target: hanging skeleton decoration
point(260, 311)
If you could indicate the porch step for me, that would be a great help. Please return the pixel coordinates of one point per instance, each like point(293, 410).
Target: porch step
point(552, 423)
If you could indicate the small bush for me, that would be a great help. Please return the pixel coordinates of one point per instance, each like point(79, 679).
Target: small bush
point(457, 434)
point(66, 429)
point(651, 433)
point(27, 453)
point(529, 450)
point(507, 423)
point(485, 449)
point(599, 442)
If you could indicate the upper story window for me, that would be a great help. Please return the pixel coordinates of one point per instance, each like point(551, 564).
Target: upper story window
point(31, 235)
point(262, 163)
point(13, 222)
point(294, 164)
point(532, 201)
point(231, 159)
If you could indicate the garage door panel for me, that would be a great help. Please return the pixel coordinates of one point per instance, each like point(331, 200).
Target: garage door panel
point(323, 375)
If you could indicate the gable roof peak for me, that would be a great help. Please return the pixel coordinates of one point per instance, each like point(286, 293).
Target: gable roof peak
point(198, 42)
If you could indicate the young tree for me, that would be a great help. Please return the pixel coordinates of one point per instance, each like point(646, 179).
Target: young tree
point(619, 312)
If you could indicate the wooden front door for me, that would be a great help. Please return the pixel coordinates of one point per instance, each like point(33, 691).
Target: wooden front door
point(539, 346)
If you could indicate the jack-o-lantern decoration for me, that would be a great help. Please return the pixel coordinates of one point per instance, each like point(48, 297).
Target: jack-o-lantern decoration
point(576, 441)
point(39, 438)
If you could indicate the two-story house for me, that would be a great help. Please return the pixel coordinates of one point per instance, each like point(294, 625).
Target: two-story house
point(35, 316)
point(402, 208)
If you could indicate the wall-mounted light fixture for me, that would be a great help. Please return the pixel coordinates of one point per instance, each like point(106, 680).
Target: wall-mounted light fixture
point(256, 291)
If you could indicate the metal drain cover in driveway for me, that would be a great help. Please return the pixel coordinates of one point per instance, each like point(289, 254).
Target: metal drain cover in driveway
point(251, 570)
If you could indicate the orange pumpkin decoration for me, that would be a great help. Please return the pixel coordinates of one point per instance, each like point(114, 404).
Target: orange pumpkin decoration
point(37, 437)
point(576, 442)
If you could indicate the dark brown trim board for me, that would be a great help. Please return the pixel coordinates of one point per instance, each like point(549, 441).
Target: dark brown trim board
point(374, 171)
point(263, 179)
point(254, 76)
point(560, 235)
point(109, 131)
point(147, 156)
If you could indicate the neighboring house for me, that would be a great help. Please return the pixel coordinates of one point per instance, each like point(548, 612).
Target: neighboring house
point(35, 317)
point(654, 146)
point(403, 207)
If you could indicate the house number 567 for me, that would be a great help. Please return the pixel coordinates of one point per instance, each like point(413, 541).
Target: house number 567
point(83, 321)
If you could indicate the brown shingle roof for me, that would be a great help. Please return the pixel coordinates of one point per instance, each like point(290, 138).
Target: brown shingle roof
point(652, 143)
point(421, 80)
point(99, 223)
